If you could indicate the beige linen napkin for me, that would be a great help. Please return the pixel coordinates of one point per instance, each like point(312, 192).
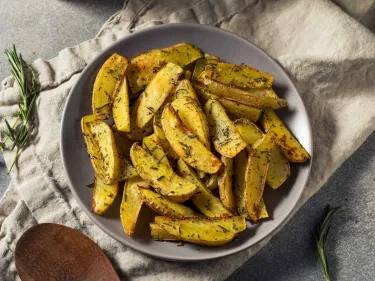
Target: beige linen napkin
point(330, 56)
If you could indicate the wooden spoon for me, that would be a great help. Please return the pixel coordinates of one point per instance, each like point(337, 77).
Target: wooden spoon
point(55, 252)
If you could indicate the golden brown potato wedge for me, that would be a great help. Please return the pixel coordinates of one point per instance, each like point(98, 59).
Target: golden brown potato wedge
point(186, 144)
point(252, 97)
point(184, 89)
point(159, 233)
point(151, 144)
point(131, 204)
point(101, 146)
point(192, 116)
point(157, 91)
point(201, 64)
point(203, 199)
point(120, 108)
point(211, 181)
point(234, 108)
point(249, 132)
point(225, 183)
point(240, 76)
point(279, 169)
point(158, 130)
point(136, 133)
point(161, 176)
point(144, 66)
point(225, 136)
point(103, 196)
point(112, 71)
point(209, 232)
point(256, 173)
point(290, 146)
point(165, 207)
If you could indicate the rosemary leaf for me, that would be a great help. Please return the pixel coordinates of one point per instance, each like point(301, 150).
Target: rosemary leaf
point(321, 239)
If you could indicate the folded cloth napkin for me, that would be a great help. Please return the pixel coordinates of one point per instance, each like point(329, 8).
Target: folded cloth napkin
point(329, 55)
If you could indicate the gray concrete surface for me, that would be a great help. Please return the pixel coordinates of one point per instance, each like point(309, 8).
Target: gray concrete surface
point(47, 26)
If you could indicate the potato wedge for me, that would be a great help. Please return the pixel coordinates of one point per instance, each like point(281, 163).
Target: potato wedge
point(263, 214)
point(225, 183)
point(209, 232)
point(151, 144)
point(234, 108)
point(165, 207)
point(289, 145)
point(144, 66)
point(161, 176)
point(252, 97)
point(201, 64)
point(157, 91)
point(131, 204)
point(186, 144)
point(192, 116)
point(225, 136)
point(203, 199)
point(120, 108)
point(240, 76)
point(136, 133)
point(112, 71)
point(256, 173)
point(249, 132)
point(240, 162)
point(103, 196)
point(159, 233)
point(101, 146)
point(211, 181)
point(279, 169)
point(184, 89)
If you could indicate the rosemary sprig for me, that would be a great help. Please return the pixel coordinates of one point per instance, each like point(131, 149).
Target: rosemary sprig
point(321, 239)
point(21, 130)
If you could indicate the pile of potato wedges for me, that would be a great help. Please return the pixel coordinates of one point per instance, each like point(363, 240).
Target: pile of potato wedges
point(189, 136)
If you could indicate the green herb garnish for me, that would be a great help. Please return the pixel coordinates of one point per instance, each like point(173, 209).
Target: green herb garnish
point(321, 239)
point(22, 128)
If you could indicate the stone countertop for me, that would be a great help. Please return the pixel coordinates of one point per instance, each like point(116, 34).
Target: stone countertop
point(37, 27)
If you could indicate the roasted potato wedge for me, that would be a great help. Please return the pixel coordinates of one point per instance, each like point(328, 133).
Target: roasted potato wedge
point(203, 199)
point(225, 183)
point(240, 76)
point(209, 232)
point(211, 181)
point(184, 89)
point(120, 108)
point(249, 132)
point(290, 146)
point(103, 196)
point(256, 173)
point(144, 66)
point(234, 108)
point(192, 116)
point(136, 133)
point(131, 204)
point(225, 136)
point(201, 64)
point(165, 207)
point(186, 144)
point(252, 97)
point(263, 214)
point(112, 71)
point(161, 176)
point(279, 169)
point(101, 146)
point(151, 144)
point(157, 91)
point(159, 233)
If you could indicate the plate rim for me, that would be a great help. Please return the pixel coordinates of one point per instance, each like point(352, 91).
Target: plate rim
point(92, 216)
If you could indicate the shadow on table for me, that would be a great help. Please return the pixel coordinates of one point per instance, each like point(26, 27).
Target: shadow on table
point(291, 253)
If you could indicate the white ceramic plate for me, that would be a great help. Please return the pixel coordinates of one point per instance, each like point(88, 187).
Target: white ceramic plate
point(228, 47)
